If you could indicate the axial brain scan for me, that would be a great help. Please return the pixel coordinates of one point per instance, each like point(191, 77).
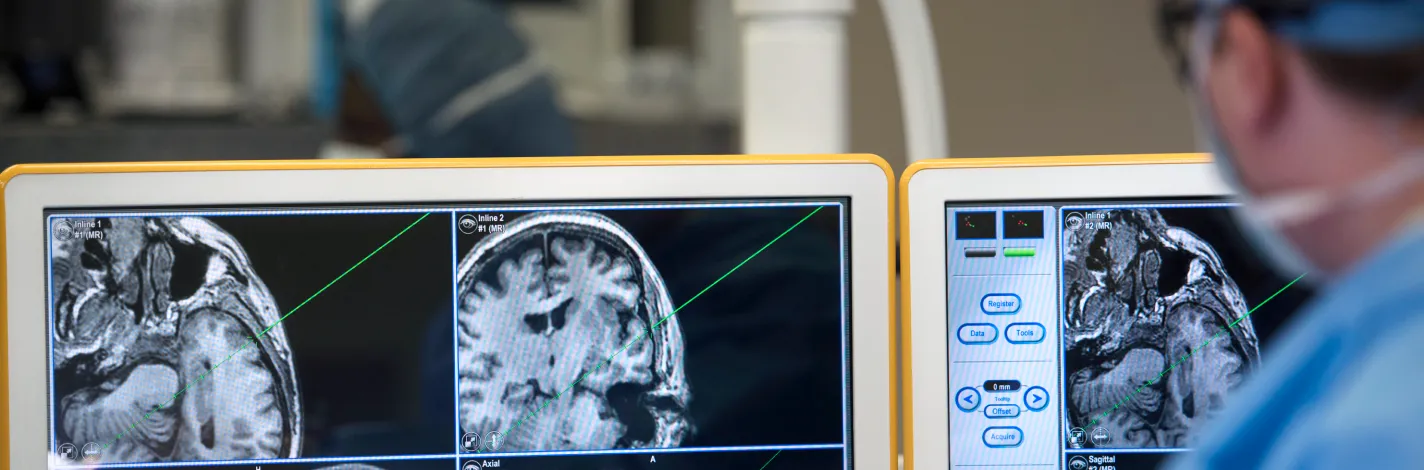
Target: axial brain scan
point(144, 307)
point(1139, 294)
point(542, 307)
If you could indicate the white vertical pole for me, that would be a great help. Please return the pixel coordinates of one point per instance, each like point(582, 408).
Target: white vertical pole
point(794, 76)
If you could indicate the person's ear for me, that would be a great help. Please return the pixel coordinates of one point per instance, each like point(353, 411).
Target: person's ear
point(1247, 75)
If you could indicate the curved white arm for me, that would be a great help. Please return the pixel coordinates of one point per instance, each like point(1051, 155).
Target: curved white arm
point(795, 84)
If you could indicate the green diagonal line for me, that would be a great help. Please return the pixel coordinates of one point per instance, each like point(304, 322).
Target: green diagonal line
point(768, 461)
point(1194, 351)
point(650, 329)
point(263, 333)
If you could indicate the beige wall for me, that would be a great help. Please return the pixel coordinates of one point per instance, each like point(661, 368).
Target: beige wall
point(1028, 77)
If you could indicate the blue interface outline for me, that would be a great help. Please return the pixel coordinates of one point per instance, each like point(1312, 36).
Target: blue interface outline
point(1054, 230)
point(453, 211)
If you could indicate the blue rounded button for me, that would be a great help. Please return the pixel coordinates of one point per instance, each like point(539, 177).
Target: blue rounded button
point(1001, 304)
point(1035, 398)
point(977, 333)
point(1003, 436)
point(1001, 411)
point(967, 399)
point(1025, 333)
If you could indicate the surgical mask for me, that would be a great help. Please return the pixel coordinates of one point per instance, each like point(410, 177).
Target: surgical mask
point(1263, 218)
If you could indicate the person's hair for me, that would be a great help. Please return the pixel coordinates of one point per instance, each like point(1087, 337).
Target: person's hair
point(1392, 79)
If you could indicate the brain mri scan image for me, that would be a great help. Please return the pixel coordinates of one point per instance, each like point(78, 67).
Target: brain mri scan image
point(144, 307)
point(541, 307)
point(1140, 294)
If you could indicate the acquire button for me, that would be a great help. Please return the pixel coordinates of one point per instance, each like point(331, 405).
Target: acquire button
point(1000, 304)
point(978, 333)
point(1001, 411)
point(1003, 436)
point(1024, 333)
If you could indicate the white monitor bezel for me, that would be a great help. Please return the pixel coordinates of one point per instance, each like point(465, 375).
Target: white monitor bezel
point(925, 192)
point(866, 181)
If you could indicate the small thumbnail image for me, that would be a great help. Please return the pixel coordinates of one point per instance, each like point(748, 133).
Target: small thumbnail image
point(974, 226)
point(1023, 224)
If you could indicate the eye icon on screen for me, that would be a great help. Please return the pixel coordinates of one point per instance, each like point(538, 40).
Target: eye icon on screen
point(1073, 221)
point(468, 224)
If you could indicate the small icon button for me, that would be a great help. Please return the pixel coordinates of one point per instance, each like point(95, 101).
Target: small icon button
point(1023, 224)
point(1076, 438)
point(1001, 411)
point(470, 465)
point(967, 399)
point(1036, 398)
point(91, 452)
point(470, 442)
point(468, 224)
point(1101, 438)
point(1000, 304)
point(1025, 333)
point(68, 452)
point(1001, 385)
point(1077, 463)
point(1003, 436)
point(493, 441)
point(978, 333)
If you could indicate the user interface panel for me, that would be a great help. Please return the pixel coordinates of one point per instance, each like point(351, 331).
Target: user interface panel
point(1092, 335)
point(620, 335)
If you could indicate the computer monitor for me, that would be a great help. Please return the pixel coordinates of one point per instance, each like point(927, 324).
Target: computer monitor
point(1075, 312)
point(640, 313)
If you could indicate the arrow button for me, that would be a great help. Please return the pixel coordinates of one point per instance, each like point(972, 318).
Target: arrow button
point(967, 399)
point(1036, 398)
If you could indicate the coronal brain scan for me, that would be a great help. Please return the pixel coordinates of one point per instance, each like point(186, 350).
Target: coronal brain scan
point(143, 307)
point(566, 339)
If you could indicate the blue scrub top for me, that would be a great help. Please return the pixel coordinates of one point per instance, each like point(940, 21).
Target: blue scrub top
point(1345, 387)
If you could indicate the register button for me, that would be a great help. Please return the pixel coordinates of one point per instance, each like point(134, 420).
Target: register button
point(1003, 436)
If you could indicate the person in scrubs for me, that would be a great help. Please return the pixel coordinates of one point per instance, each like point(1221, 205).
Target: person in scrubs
point(1316, 112)
point(434, 79)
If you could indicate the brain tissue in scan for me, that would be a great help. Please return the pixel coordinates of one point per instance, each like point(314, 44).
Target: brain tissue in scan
point(1140, 295)
point(543, 306)
point(143, 307)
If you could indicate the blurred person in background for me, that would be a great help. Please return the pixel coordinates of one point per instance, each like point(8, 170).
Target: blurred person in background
point(1316, 109)
point(40, 43)
point(434, 79)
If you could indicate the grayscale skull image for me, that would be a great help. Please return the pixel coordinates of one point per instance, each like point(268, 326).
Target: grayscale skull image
point(542, 306)
point(1139, 296)
point(144, 309)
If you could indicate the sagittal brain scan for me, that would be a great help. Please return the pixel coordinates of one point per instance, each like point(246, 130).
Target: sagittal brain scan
point(1138, 294)
point(1112, 332)
point(438, 337)
point(143, 306)
point(543, 304)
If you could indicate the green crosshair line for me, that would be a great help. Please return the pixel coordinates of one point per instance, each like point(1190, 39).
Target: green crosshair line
point(768, 461)
point(649, 330)
point(258, 336)
point(1184, 358)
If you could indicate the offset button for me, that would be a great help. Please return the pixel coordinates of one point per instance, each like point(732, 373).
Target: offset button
point(967, 399)
point(1003, 436)
point(1024, 333)
point(1036, 398)
point(978, 333)
point(1000, 304)
point(1001, 411)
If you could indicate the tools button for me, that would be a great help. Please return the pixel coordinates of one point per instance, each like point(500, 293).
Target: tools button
point(1024, 333)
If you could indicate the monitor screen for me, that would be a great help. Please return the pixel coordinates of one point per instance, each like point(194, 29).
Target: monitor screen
point(619, 335)
point(1100, 334)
